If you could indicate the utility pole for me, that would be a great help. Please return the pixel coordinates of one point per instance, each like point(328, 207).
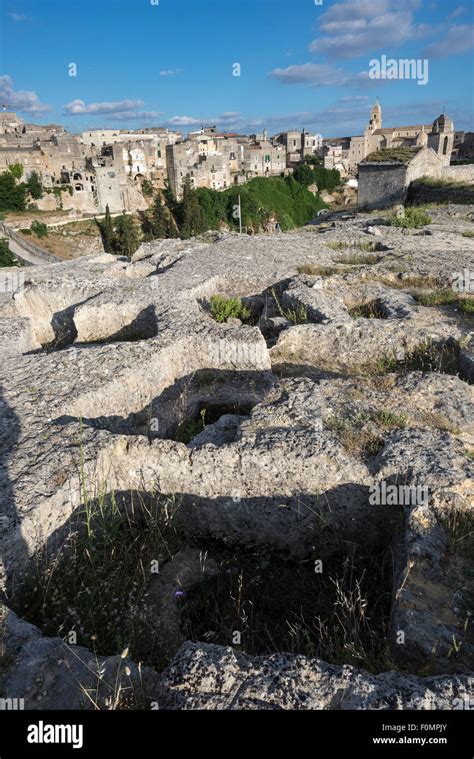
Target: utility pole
point(240, 217)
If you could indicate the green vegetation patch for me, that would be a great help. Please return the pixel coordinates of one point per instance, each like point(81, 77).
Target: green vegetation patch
point(414, 218)
point(392, 155)
point(7, 258)
point(223, 308)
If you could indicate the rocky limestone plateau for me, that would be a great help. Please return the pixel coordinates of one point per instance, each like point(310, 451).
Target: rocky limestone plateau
point(206, 488)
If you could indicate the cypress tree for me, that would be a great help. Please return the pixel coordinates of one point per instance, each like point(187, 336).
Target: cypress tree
point(125, 240)
point(193, 222)
point(106, 229)
point(159, 219)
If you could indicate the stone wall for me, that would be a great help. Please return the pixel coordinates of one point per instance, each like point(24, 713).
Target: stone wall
point(381, 185)
point(385, 183)
point(463, 173)
point(420, 193)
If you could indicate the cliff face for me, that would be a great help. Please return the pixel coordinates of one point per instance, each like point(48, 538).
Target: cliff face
point(262, 449)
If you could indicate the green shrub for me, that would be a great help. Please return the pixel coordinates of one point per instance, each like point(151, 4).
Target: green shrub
point(6, 256)
point(34, 186)
point(414, 218)
point(147, 188)
point(16, 169)
point(222, 308)
point(327, 179)
point(304, 174)
point(467, 305)
point(39, 229)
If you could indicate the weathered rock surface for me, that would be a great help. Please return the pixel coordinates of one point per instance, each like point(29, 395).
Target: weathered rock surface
point(51, 674)
point(211, 677)
point(105, 361)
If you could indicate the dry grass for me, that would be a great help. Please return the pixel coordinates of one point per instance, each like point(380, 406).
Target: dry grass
point(427, 356)
point(317, 270)
point(339, 614)
point(416, 282)
point(96, 583)
point(367, 246)
point(368, 310)
point(437, 421)
point(358, 260)
point(360, 432)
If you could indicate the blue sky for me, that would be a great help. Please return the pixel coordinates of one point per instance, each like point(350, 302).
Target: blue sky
point(170, 63)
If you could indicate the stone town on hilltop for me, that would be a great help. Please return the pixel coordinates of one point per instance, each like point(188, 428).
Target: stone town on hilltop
point(85, 173)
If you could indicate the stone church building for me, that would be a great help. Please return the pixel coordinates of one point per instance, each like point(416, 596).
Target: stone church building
point(439, 136)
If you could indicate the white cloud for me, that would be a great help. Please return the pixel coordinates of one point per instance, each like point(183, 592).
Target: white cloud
point(459, 39)
point(354, 99)
point(18, 17)
point(350, 29)
point(24, 101)
point(134, 116)
point(318, 75)
point(79, 107)
point(457, 12)
point(225, 119)
point(170, 72)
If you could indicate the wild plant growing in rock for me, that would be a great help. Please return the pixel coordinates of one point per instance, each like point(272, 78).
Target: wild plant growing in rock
point(223, 308)
point(414, 218)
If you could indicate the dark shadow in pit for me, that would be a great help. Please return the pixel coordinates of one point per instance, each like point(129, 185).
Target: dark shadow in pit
point(373, 309)
point(64, 329)
point(189, 406)
point(266, 537)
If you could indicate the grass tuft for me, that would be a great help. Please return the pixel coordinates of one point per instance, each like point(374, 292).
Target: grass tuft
point(318, 271)
point(358, 260)
point(368, 310)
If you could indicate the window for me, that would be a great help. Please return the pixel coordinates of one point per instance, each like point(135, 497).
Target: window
point(445, 145)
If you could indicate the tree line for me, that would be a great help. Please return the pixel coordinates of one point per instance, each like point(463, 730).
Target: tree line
point(284, 199)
